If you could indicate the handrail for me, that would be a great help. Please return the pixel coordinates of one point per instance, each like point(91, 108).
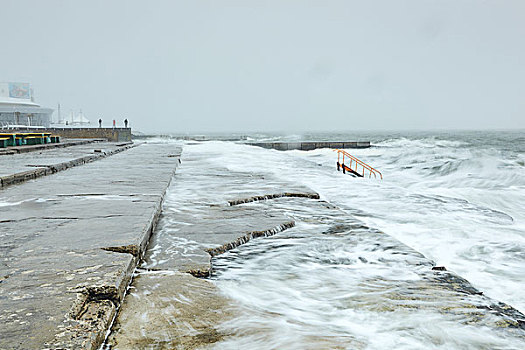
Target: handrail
point(371, 171)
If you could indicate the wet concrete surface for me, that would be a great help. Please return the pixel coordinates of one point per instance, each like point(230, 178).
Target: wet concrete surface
point(36, 148)
point(168, 307)
point(170, 310)
point(69, 243)
point(199, 217)
point(16, 163)
point(211, 210)
point(201, 231)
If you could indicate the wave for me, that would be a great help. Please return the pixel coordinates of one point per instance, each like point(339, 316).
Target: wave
point(427, 142)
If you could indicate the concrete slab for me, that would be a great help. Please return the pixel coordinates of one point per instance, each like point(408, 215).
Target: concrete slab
point(46, 292)
point(201, 221)
point(50, 165)
point(188, 243)
point(170, 310)
point(14, 163)
point(69, 243)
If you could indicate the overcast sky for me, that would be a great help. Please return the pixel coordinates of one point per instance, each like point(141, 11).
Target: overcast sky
point(292, 66)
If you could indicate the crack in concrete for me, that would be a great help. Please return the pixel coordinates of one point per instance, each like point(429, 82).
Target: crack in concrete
point(312, 195)
point(132, 249)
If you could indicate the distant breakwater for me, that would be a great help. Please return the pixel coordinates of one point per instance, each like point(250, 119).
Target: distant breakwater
point(311, 145)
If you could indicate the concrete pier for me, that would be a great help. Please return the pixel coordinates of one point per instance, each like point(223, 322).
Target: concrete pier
point(311, 145)
point(69, 243)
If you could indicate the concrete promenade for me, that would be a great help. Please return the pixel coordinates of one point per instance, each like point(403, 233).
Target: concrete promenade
point(70, 241)
point(17, 168)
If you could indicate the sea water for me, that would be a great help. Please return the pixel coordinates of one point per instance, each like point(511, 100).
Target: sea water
point(457, 198)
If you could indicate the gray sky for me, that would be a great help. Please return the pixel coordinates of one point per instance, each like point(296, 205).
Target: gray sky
point(293, 66)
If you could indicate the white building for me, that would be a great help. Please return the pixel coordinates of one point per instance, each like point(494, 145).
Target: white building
point(18, 108)
point(74, 120)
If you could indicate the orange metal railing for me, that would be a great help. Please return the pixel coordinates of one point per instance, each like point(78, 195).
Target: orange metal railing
point(354, 165)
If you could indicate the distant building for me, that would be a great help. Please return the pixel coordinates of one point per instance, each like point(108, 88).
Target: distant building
point(18, 108)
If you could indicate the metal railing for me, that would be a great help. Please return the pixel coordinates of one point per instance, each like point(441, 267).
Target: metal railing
point(355, 166)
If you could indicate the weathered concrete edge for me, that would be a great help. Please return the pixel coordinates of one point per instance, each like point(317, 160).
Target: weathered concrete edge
point(252, 234)
point(249, 236)
point(24, 176)
point(311, 195)
point(96, 307)
point(92, 313)
point(102, 325)
point(205, 269)
point(138, 250)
